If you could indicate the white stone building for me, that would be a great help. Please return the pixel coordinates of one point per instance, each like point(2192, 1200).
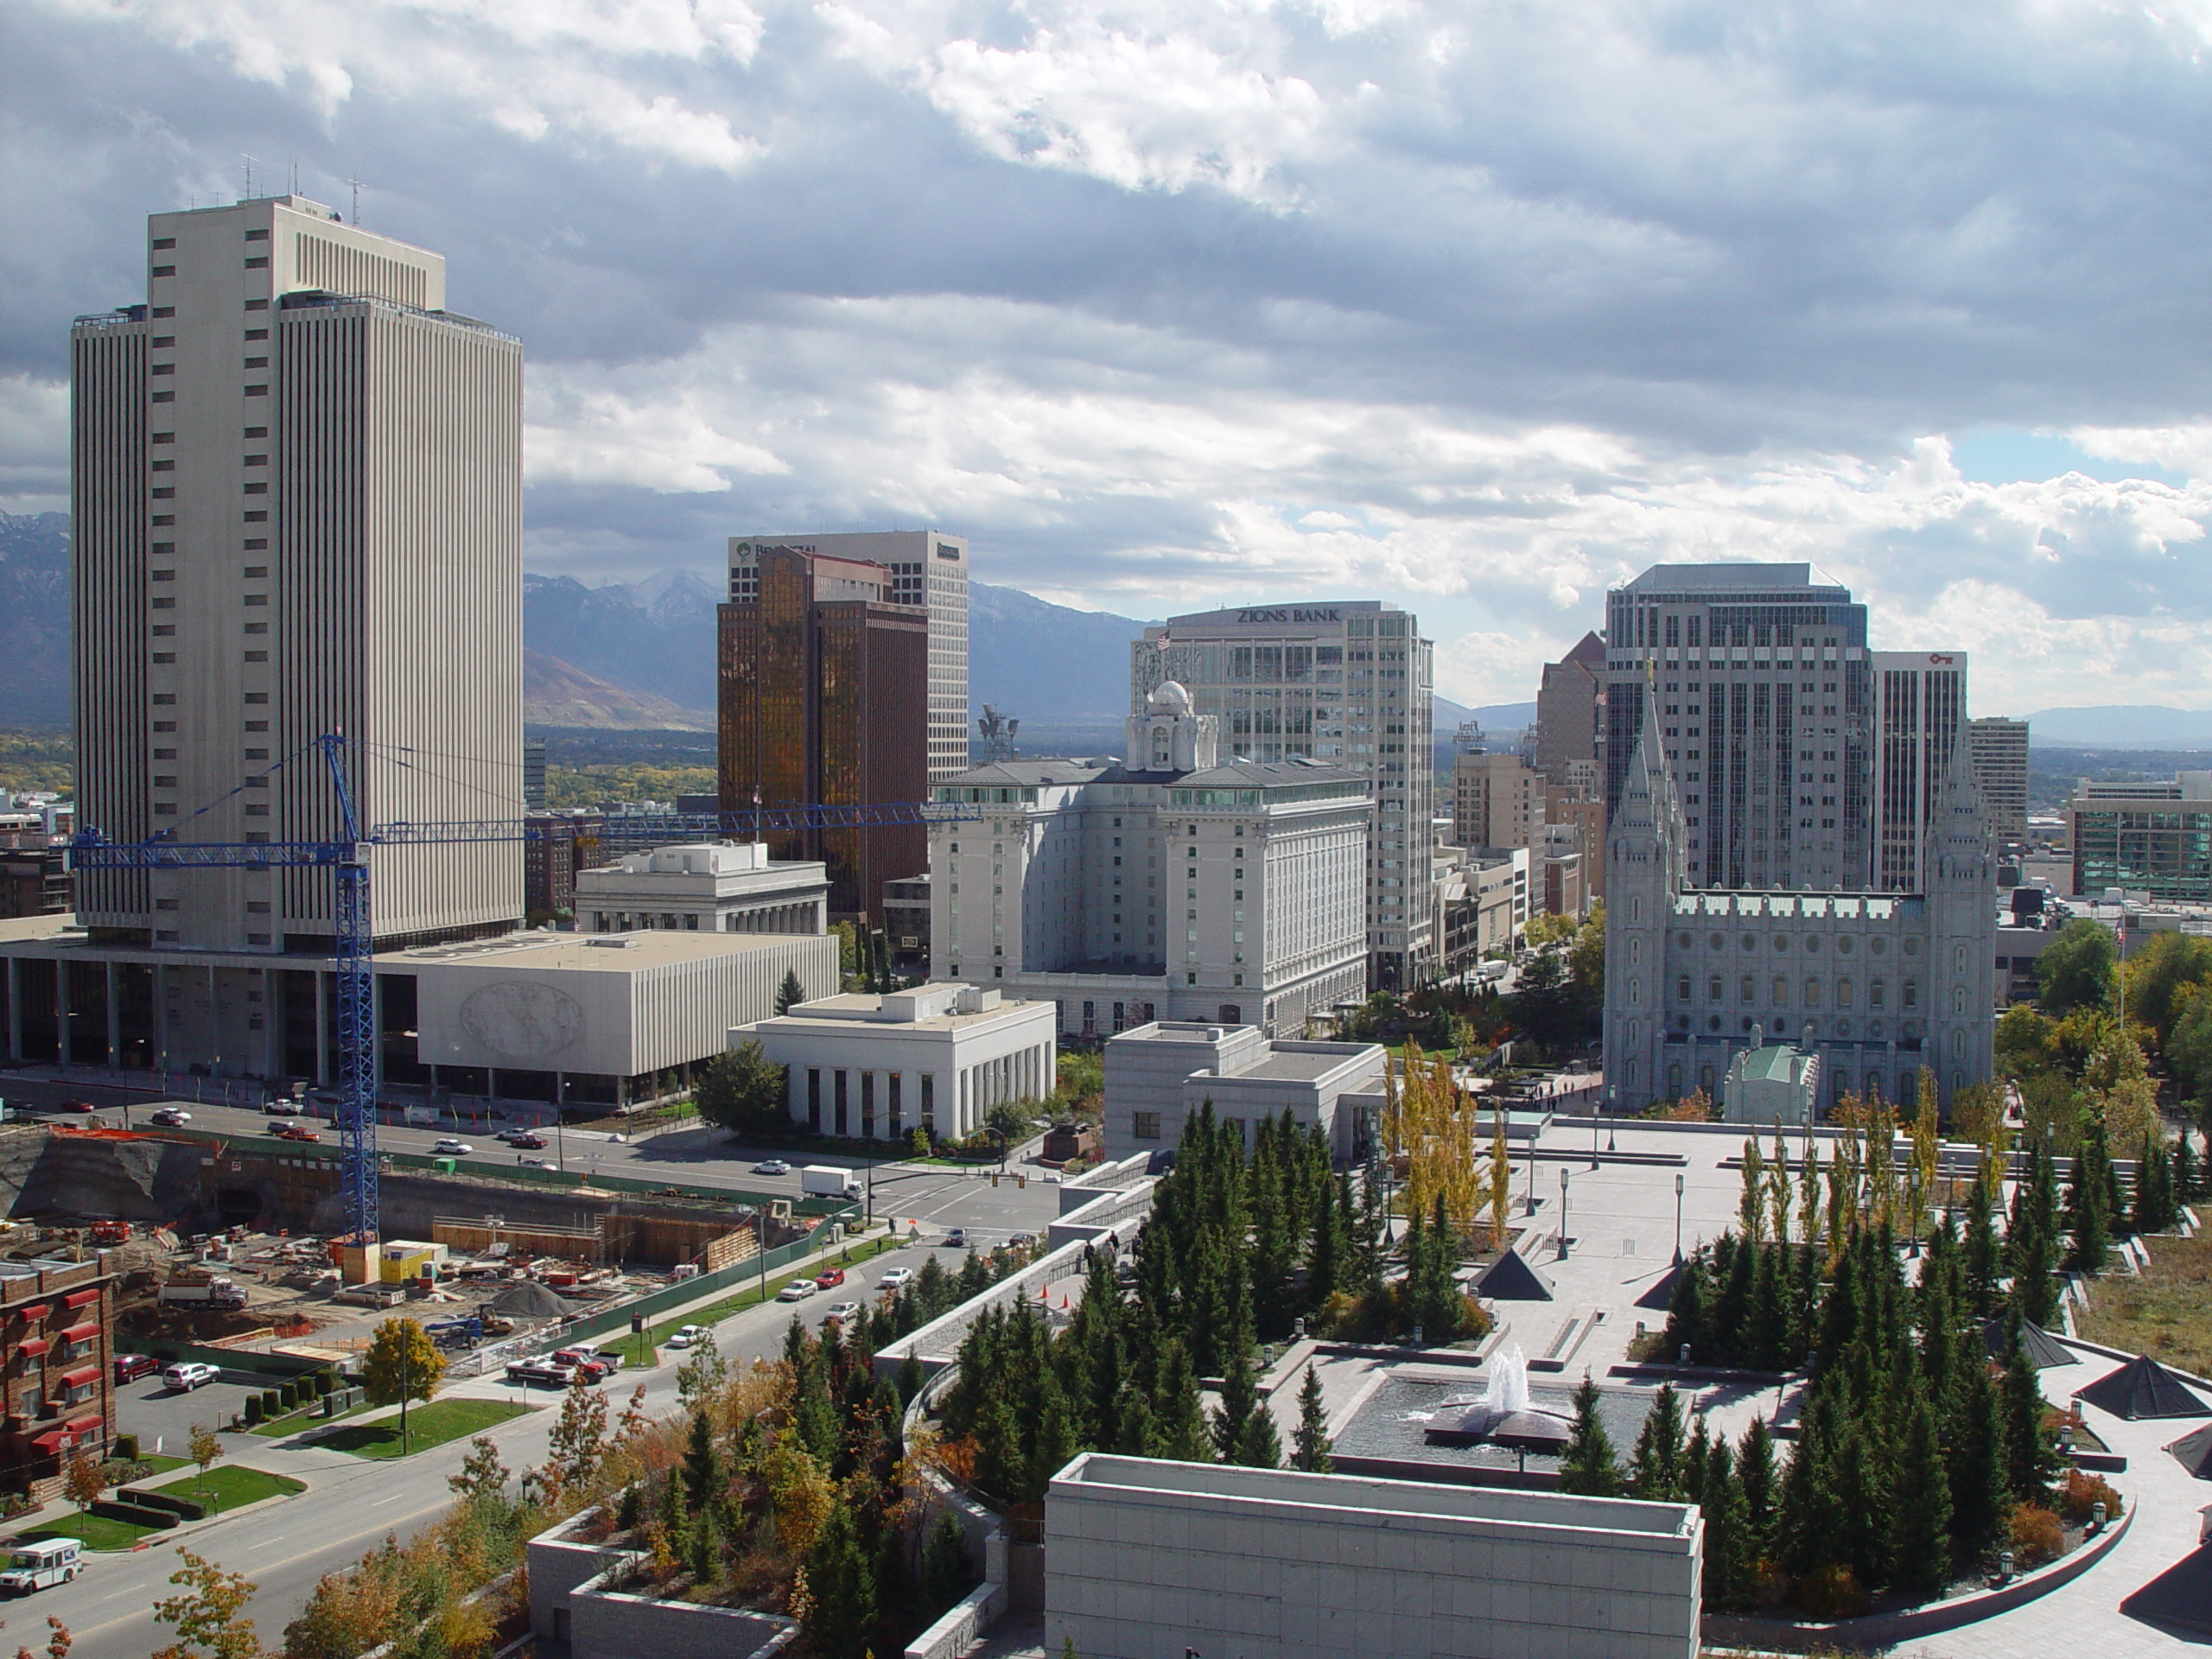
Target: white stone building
point(1172, 887)
point(712, 887)
point(1769, 1083)
point(1158, 1074)
point(937, 1057)
point(1349, 683)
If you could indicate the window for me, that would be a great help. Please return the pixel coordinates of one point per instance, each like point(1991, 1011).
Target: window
point(1144, 1126)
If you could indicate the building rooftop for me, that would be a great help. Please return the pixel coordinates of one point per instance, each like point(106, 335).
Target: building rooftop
point(1775, 1063)
point(941, 1005)
point(590, 952)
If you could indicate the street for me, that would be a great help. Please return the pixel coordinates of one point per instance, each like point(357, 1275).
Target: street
point(351, 1504)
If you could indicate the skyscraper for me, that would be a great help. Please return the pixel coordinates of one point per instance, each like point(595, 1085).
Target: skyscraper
point(1498, 802)
point(824, 700)
point(924, 568)
point(296, 486)
point(1571, 716)
point(1920, 703)
point(1765, 699)
point(1347, 682)
point(2000, 767)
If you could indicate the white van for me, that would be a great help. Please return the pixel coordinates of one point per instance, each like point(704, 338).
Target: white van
point(34, 1566)
point(187, 1374)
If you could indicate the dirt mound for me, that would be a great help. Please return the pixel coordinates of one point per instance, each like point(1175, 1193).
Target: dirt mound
point(528, 1300)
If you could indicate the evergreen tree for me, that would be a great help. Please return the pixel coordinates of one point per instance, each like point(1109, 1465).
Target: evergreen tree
point(1755, 1480)
point(947, 1572)
point(841, 1589)
point(1686, 1315)
point(2154, 1197)
point(1272, 1247)
point(703, 1466)
point(1431, 1256)
point(1982, 1253)
point(2186, 1172)
point(1179, 1419)
point(1313, 1426)
point(1259, 1447)
point(1976, 1463)
point(790, 992)
point(1056, 1443)
point(1862, 1487)
point(1922, 1506)
point(2088, 1220)
point(1811, 1519)
point(1589, 1466)
point(1655, 1467)
point(1728, 1535)
point(1766, 1346)
point(1136, 1435)
point(2029, 1458)
point(1329, 1263)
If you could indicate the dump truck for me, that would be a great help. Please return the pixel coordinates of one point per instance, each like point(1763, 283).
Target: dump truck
point(825, 1181)
point(189, 1287)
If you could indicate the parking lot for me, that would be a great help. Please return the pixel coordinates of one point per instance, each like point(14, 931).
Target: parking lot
point(155, 1412)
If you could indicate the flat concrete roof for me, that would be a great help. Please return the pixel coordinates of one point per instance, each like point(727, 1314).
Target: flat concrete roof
point(1299, 1068)
point(864, 1004)
point(604, 953)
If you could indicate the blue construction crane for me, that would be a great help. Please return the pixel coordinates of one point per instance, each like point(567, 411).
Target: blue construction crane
point(352, 938)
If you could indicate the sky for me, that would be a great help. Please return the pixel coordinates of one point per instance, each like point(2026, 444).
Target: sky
point(1481, 308)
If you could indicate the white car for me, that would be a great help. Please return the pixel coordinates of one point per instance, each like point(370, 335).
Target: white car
point(894, 1278)
point(797, 1291)
point(843, 1313)
point(689, 1335)
point(772, 1167)
point(187, 1374)
point(452, 1148)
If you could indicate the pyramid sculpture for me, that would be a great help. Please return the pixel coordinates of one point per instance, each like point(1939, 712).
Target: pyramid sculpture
point(1510, 1279)
point(2043, 1350)
point(2141, 1389)
point(2194, 1452)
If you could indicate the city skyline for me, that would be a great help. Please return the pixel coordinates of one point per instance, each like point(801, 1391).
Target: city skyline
point(1152, 361)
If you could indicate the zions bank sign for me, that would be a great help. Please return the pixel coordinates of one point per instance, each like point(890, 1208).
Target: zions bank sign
point(1326, 614)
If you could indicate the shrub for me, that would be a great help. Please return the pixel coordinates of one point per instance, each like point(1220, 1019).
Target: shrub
point(253, 1409)
point(273, 1403)
point(2080, 1490)
point(2036, 1537)
point(120, 1471)
point(126, 1447)
point(1831, 1591)
point(140, 1515)
point(325, 1383)
point(288, 1396)
point(189, 1509)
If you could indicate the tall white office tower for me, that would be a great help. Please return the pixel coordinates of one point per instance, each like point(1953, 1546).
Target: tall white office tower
point(1347, 682)
point(2000, 767)
point(296, 486)
point(928, 569)
point(1920, 706)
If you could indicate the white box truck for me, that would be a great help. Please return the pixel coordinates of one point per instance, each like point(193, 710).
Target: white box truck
point(827, 1181)
point(197, 1284)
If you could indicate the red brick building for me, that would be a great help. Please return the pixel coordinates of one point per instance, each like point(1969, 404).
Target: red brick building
point(57, 1369)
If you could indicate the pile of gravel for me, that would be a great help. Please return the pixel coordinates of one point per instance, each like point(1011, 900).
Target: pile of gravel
point(526, 1298)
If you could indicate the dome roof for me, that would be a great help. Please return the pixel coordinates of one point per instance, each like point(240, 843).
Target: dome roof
point(1170, 698)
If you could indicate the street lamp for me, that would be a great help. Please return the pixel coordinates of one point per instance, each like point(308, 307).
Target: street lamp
point(1678, 1218)
point(1562, 1213)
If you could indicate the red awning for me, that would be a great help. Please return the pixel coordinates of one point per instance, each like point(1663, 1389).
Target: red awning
point(36, 1311)
point(50, 1442)
point(81, 1375)
point(34, 1346)
point(91, 1425)
point(80, 1298)
point(86, 1333)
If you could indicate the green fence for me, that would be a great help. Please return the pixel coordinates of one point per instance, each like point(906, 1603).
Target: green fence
point(690, 1290)
point(237, 1359)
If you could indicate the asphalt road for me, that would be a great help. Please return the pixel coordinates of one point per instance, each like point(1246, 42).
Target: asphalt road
point(286, 1546)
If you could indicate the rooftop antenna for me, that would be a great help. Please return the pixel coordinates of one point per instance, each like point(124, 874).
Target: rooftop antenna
point(249, 177)
point(295, 175)
point(356, 183)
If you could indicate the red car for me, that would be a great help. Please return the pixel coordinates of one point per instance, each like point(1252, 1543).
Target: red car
point(532, 1142)
point(78, 1106)
point(830, 1279)
point(131, 1367)
point(296, 1132)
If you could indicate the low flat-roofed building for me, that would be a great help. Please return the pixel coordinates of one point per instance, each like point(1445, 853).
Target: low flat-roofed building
point(1146, 1559)
point(1159, 1074)
point(1771, 1083)
point(707, 888)
point(934, 1056)
point(2155, 838)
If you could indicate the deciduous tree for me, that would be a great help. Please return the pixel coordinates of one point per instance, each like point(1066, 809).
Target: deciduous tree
point(403, 1365)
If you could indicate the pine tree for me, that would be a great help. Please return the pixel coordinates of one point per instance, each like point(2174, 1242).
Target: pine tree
point(2186, 1174)
point(1727, 1530)
point(703, 1466)
point(1982, 1253)
point(1755, 1480)
point(1313, 1443)
point(1922, 1506)
point(1767, 1325)
point(841, 1589)
point(1179, 1419)
point(1056, 1444)
point(1259, 1447)
point(2029, 1458)
point(1655, 1467)
point(790, 992)
point(1862, 1486)
point(1686, 1311)
point(2087, 1218)
point(947, 1572)
point(2154, 1198)
point(1589, 1466)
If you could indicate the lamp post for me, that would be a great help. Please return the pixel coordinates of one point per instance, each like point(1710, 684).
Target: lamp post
point(1678, 1218)
point(1562, 1213)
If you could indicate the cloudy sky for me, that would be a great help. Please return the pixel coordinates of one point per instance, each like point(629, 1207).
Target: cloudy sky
point(1479, 308)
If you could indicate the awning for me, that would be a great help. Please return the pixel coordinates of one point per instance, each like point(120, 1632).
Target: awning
point(52, 1442)
point(80, 1298)
point(81, 1375)
point(33, 1346)
point(88, 1331)
point(91, 1425)
point(36, 1311)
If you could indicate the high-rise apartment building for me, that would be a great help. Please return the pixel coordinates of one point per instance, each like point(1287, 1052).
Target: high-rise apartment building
point(1498, 802)
point(1347, 682)
point(2000, 767)
point(824, 699)
point(1920, 702)
point(1571, 716)
point(296, 488)
point(923, 568)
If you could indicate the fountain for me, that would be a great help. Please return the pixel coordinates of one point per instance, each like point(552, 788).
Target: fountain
point(1504, 1416)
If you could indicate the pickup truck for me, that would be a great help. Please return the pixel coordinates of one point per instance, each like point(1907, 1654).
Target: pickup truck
point(540, 1373)
point(596, 1364)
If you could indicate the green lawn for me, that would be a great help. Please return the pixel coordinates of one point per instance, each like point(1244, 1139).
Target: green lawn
point(161, 1465)
point(96, 1532)
point(228, 1486)
point(427, 1425)
point(302, 1422)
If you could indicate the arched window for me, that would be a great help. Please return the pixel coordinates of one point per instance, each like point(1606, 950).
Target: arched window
point(1958, 1044)
point(1959, 1000)
point(1674, 1080)
point(1635, 950)
point(1705, 1079)
point(1713, 988)
point(1812, 993)
point(1781, 992)
point(1958, 958)
point(1843, 993)
point(1635, 992)
point(1750, 989)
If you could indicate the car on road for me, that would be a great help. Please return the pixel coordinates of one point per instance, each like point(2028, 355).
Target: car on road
point(129, 1368)
point(189, 1374)
point(595, 1363)
point(296, 1132)
point(842, 1313)
point(509, 1134)
point(77, 1106)
point(171, 1117)
point(689, 1335)
point(531, 1142)
point(957, 1239)
point(830, 1278)
point(893, 1278)
point(772, 1167)
point(534, 1163)
point(797, 1291)
point(451, 1147)
point(540, 1373)
point(34, 1564)
point(1021, 1241)
point(283, 1108)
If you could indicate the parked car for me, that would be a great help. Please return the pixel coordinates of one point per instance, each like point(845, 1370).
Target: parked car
point(540, 1373)
point(595, 1363)
point(129, 1368)
point(453, 1149)
point(283, 1108)
point(297, 1132)
point(527, 1141)
point(172, 1117)
point(511, 1132)
point(187, 1374)
point(830, 1278)
point(843, 1313)
point(772, 1167)
point(797, 1291)
point(689, 1335)
point(894, 1277)
point(36, 1563)
point(1021, 1241)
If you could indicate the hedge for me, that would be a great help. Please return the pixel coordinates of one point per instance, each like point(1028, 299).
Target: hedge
point(139, 1514)
point(126, 1447)
point(191, 1509)
point(253, 1409)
